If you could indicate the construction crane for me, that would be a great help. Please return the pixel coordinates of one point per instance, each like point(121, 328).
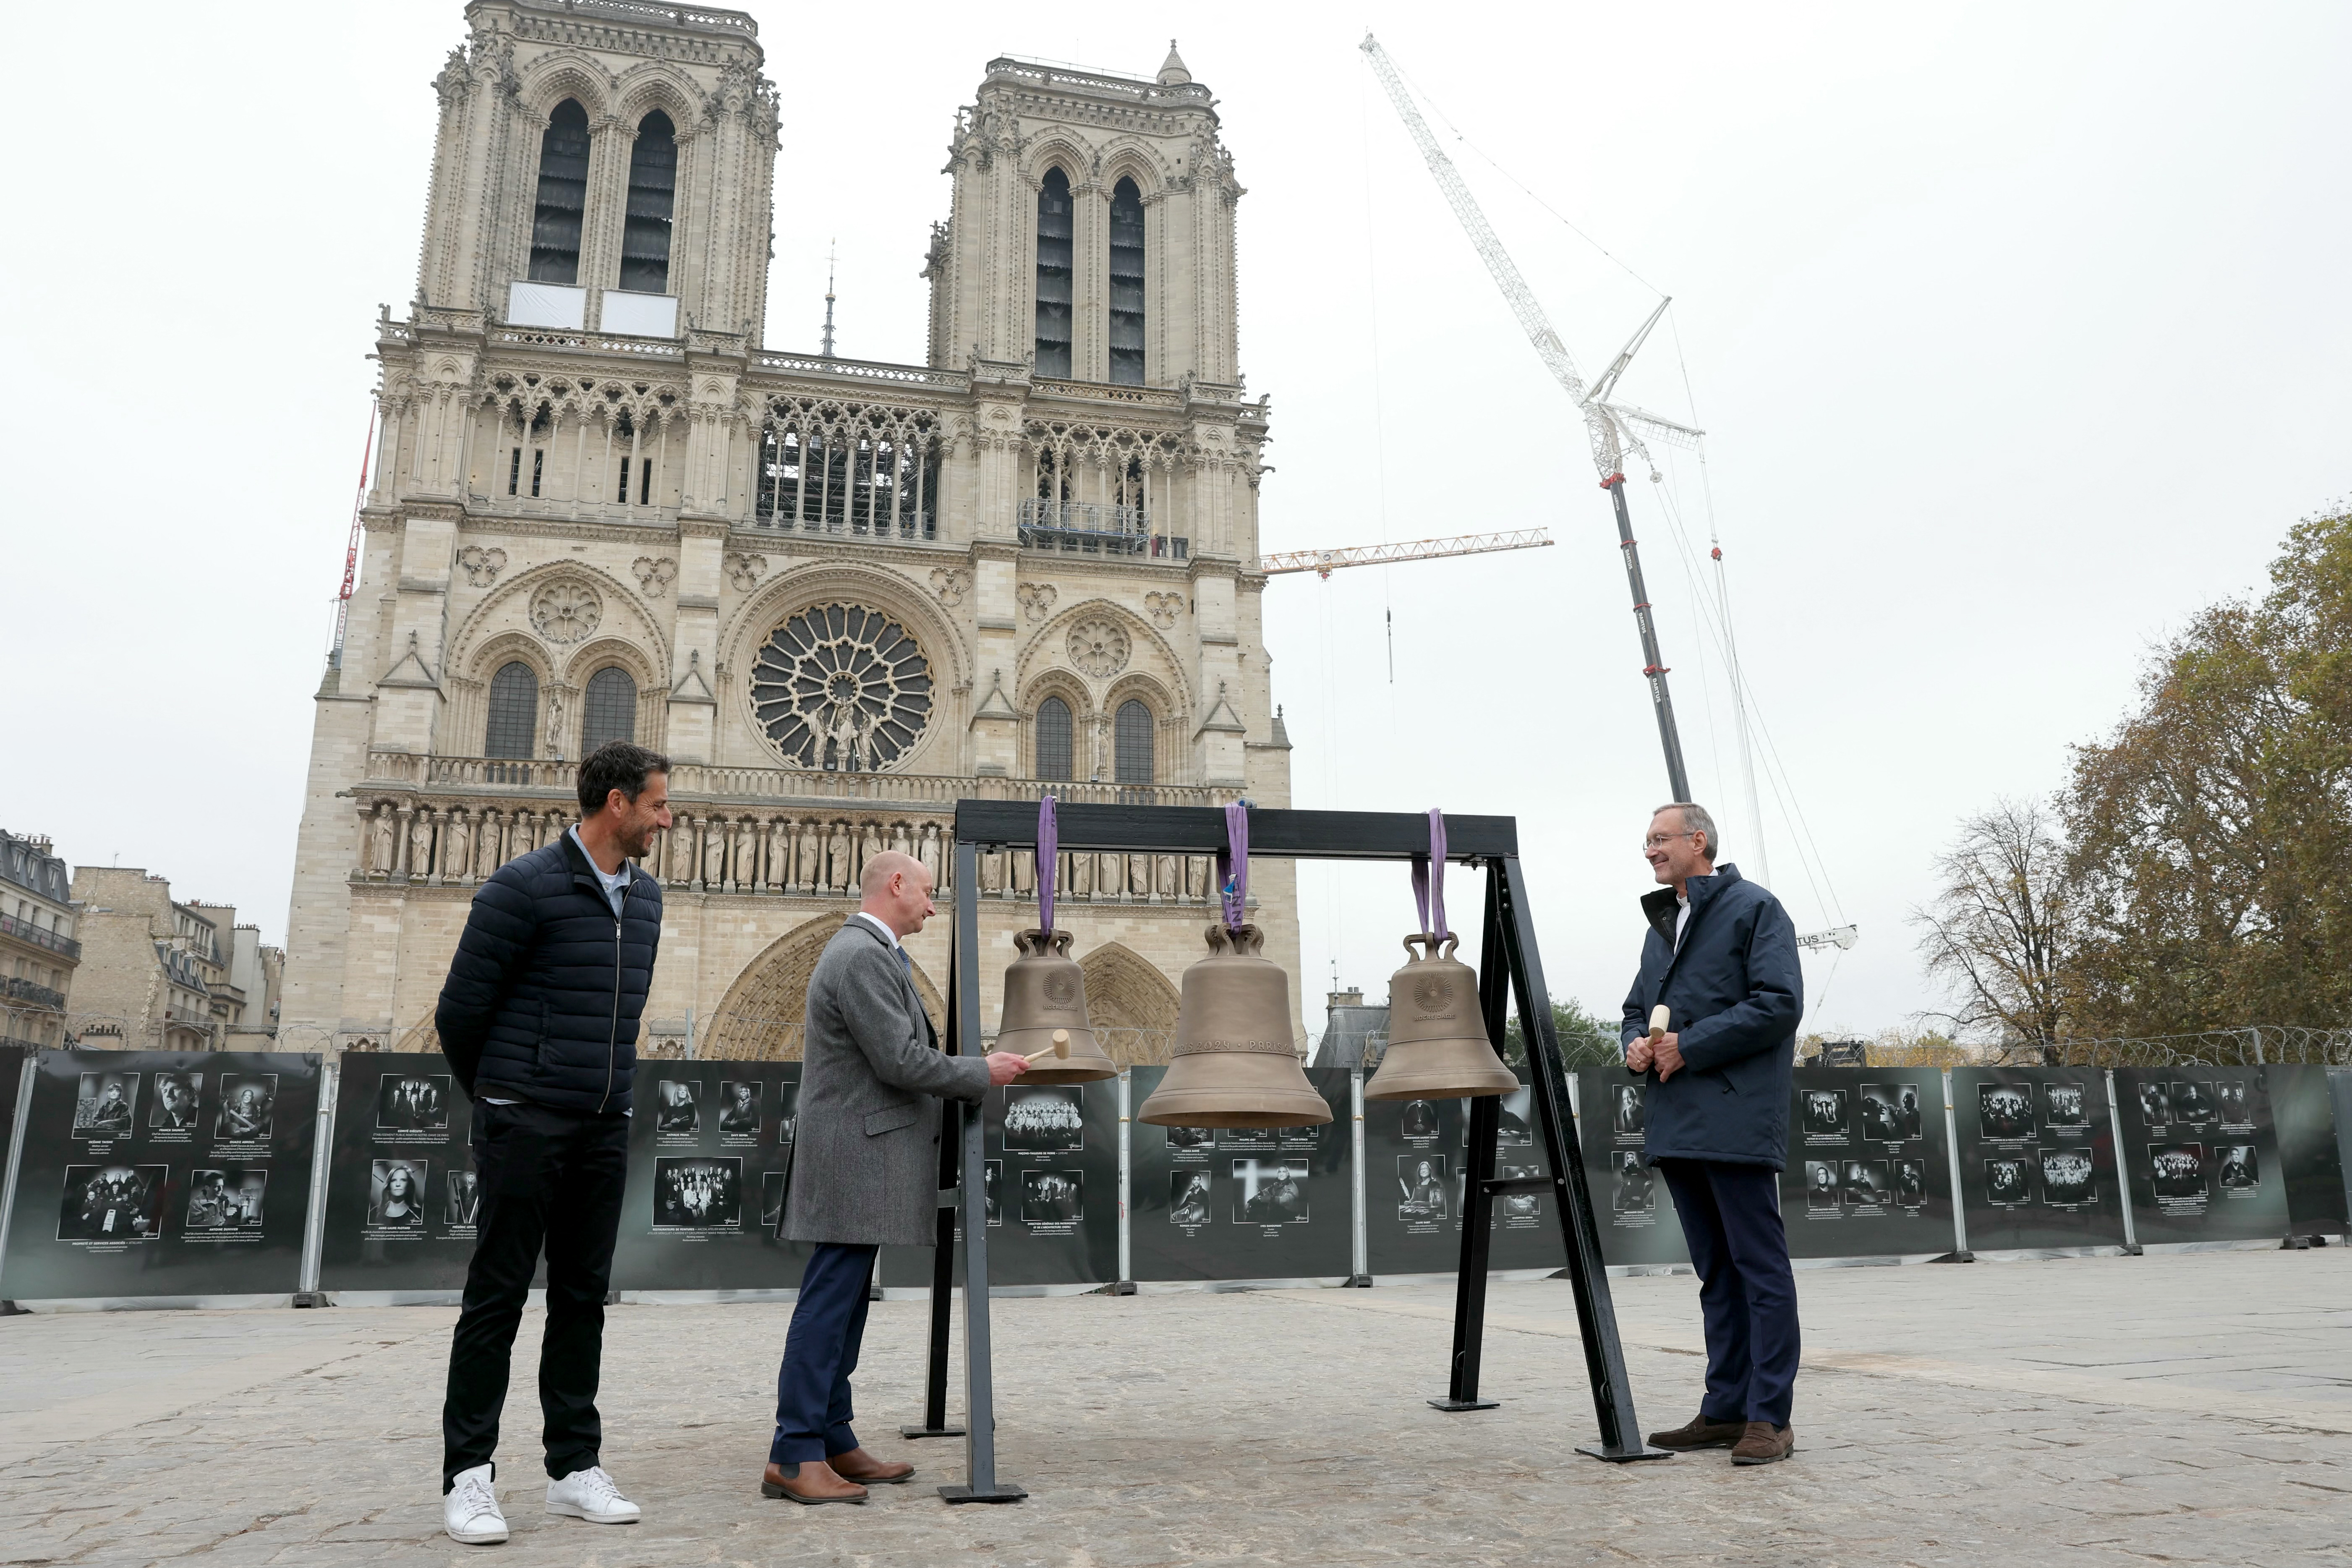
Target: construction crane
point(1323, 563)
point(1614, 429)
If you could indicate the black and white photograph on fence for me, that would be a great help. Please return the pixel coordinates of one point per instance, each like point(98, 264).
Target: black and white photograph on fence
point(738, 1108)
point(413, 1102)
point(1824, 1115)
point(2008, 1181)
point(226, 1205)
point(2155, 1105)
point(1634, 1193)
point(113, 1204)
point(1867, 1187)
point(1890, 1113)
point(698, 1193)
point(2067, 1179)
point(676, 1113)
point(1822, 1186)
point(396, 1194)
point(2005, 1111)
point(2062, 1108)
point(1043, 1120)
point(1226, 1244)
point(1421, 1188)
point(1629, 1109)
point(1189, 1199)
point(248, 1107)
point(111, 1201)
point(1516, 1120)
point(772, 1201)
point(1910, 1182)
point(1053, 1197)
point(788, 1110)
point(1418, 1121)
point(1517, 1211)
point(991, 1184)
point(2210, 1171)
point(1270, 1192)
point(176, 1107)
point(461, 1208)
point(1201, 1139)
point(103, 1110)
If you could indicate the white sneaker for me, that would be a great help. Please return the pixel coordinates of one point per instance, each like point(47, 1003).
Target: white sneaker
point(590, 1494)
point(469, 1509)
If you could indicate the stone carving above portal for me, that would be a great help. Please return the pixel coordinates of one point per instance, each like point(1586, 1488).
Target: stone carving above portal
point(655, 574)
point(481, 566)
point(1037, 600)
point(951, 583)
point(565, 612)
point(745, 571)
point(1163, 608)
point(1098, 646)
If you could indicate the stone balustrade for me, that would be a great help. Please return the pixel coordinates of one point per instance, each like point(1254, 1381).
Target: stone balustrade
point(452, 821)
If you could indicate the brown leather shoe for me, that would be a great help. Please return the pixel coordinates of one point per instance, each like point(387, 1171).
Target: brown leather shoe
point(857, 1464)
point(815, 1483)
point(1764, 1444)
point(1699, 1432)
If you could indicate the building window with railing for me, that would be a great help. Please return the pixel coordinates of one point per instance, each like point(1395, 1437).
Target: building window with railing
point(610, 711)
point(849, 478)
point(646, 232)
point(1054, 253)
point(1126, 285)
point(563, 197)
point(514, 712)
point(1054, 759)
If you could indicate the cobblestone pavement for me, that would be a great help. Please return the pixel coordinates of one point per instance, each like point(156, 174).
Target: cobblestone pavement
point(2181, 1409)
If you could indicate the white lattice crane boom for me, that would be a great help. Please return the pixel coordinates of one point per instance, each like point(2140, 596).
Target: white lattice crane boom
point(1323, 563)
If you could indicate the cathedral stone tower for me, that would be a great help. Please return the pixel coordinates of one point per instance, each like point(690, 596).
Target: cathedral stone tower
point(840, 594)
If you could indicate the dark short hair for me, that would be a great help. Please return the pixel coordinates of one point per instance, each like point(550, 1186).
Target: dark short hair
point(616, 766)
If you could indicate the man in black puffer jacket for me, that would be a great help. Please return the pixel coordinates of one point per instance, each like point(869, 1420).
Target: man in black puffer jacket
point(539, 1021)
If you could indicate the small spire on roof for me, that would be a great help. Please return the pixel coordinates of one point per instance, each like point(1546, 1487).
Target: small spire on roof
point(1172, 72)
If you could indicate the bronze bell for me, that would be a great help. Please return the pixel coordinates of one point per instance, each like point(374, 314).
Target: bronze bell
point(1044, 990)
point(1233, 1064)
point(1437, 1032)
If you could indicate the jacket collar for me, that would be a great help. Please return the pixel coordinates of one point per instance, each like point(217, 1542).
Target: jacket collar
point(1660, 907)
point(584, 870)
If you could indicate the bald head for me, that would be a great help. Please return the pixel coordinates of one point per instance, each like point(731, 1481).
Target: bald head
point(896, 889)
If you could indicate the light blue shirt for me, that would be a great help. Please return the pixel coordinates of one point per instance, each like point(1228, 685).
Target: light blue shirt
point(616, 883)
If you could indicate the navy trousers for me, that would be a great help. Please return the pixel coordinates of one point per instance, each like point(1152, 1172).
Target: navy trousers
point(1731, 1220)
point(812, 1413)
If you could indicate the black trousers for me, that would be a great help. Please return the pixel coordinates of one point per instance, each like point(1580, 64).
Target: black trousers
point(550, 1179)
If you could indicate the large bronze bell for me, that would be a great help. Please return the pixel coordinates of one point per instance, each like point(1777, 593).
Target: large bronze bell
point(1044, 990)
point(1233, 1064)
point(1437, 1033)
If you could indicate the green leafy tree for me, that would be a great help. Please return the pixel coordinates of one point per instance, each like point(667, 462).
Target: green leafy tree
point(1586, 1039)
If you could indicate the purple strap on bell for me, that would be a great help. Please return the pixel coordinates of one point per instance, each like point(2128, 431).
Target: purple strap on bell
point(1232, 866)
point(1049, 853)
point(1429, 879)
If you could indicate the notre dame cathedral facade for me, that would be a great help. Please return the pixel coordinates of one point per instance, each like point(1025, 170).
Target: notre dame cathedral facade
point(839, 594)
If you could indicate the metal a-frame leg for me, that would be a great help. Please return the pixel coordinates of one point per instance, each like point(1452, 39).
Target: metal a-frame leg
point(935, 1380)
point(1477, 1187)
point(980, 1482)
point(1596, 1313)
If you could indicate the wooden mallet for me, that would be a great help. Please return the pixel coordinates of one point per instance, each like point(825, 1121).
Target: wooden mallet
point(1060, 1047)
point(1660, 1015)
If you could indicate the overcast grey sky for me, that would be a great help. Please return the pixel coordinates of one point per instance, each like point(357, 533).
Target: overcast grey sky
point(2019, 331)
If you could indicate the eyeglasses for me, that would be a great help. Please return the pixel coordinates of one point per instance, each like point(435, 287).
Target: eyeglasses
point(1660, 840)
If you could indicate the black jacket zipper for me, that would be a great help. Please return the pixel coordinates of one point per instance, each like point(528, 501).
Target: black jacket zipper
point(612, 1045)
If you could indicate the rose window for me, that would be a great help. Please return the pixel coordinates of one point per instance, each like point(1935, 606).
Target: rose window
point(842, 689)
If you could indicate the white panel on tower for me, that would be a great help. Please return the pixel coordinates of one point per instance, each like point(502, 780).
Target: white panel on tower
point(640, 315)
point(546, 305)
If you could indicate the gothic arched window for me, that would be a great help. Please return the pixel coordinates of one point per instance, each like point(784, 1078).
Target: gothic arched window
point(653, 181)
point(1054, 739)
point(1133, 736)
point(562, 195)
point(1054, 253)
point(610, 712)
point(514, 712)
point(1127, 284)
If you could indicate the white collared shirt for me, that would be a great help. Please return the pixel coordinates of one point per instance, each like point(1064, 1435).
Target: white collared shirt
point(616, 882)
point(877, 923)
point(1682, 911)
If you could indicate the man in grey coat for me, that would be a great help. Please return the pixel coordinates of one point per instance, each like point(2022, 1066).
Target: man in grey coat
point(865, 1170)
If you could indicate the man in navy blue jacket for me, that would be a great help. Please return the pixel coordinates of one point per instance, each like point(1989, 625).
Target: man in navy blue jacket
point(1721, 956)
point(539, 1020)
